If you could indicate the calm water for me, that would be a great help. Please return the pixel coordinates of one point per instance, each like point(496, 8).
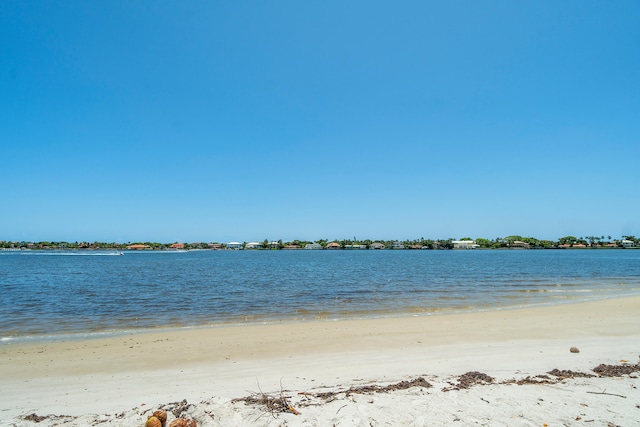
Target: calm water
point(48, 294)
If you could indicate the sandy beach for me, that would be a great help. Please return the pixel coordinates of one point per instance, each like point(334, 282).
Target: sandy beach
point(335, 372)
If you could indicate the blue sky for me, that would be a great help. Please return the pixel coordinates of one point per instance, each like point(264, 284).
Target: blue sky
point(216, 121)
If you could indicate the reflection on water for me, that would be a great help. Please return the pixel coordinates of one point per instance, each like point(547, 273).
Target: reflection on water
point(67, 292)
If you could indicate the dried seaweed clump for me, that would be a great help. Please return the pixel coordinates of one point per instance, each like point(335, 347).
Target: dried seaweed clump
point(563, 374)
point(374, 388)
point(402, 385)
point(469, 380)
point(33, 417)
point(177, 408)
point(616, 370)
point(538, 379)
point(272, 404)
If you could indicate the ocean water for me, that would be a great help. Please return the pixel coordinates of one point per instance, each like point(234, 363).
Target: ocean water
point(54, 294)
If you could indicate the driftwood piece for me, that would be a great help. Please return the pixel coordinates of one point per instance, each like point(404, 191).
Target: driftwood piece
point(608, 394)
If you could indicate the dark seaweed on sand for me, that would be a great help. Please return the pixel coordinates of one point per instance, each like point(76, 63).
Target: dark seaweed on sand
point(562, 374)
point(469, 380)
point(616, 370)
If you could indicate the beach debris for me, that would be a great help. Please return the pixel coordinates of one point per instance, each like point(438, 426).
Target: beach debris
point(402, 385)
point(563, 374)
point(470, 379)
point(161, 414)
point(153, 422)
point(574, 350)
point(607, 394)
point(616, 370)
point(273, 404)
point(178, 408)
point(183, 422)
point(374, 388)
point(33, 417)
point(538, 379)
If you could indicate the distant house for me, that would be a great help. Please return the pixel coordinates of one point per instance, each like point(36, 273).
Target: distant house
point(292, 247)
point(520, 245)
point(236, 246)
point(579, 246)
point(313, 246)
point(377, 245)
point(355, 246)
point(397, 245)
point(416, 246)
point(274, 245)
point(333, 245)
point(253, 245)
point(215, 246)
point(177, 246)
point(464, 244)
point(628, 244)
point(138, 247)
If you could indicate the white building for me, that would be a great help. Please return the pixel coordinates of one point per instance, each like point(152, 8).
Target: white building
point(253, 245)
point(464, 244)
point(628, 244)
point(313, 246)
point(234, 246)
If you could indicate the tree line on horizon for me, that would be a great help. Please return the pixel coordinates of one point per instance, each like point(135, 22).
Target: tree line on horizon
point(421, 243)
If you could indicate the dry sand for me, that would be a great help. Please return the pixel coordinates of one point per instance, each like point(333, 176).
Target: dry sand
point(116, 381)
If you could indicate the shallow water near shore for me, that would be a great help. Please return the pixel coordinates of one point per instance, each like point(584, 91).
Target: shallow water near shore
point(48, 294)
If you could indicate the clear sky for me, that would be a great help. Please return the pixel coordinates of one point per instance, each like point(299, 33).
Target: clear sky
point(244, 120)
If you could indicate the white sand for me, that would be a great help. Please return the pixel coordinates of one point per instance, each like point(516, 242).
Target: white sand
point(117, 380)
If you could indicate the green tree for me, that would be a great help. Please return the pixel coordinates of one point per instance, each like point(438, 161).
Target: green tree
point(568, 240)
point(484, 243)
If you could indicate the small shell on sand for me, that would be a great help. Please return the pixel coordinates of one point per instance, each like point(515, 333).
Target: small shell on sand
point(574, 350)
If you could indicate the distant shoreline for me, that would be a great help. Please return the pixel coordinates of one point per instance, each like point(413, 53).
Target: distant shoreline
point(508, 242)
point(288, 249)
